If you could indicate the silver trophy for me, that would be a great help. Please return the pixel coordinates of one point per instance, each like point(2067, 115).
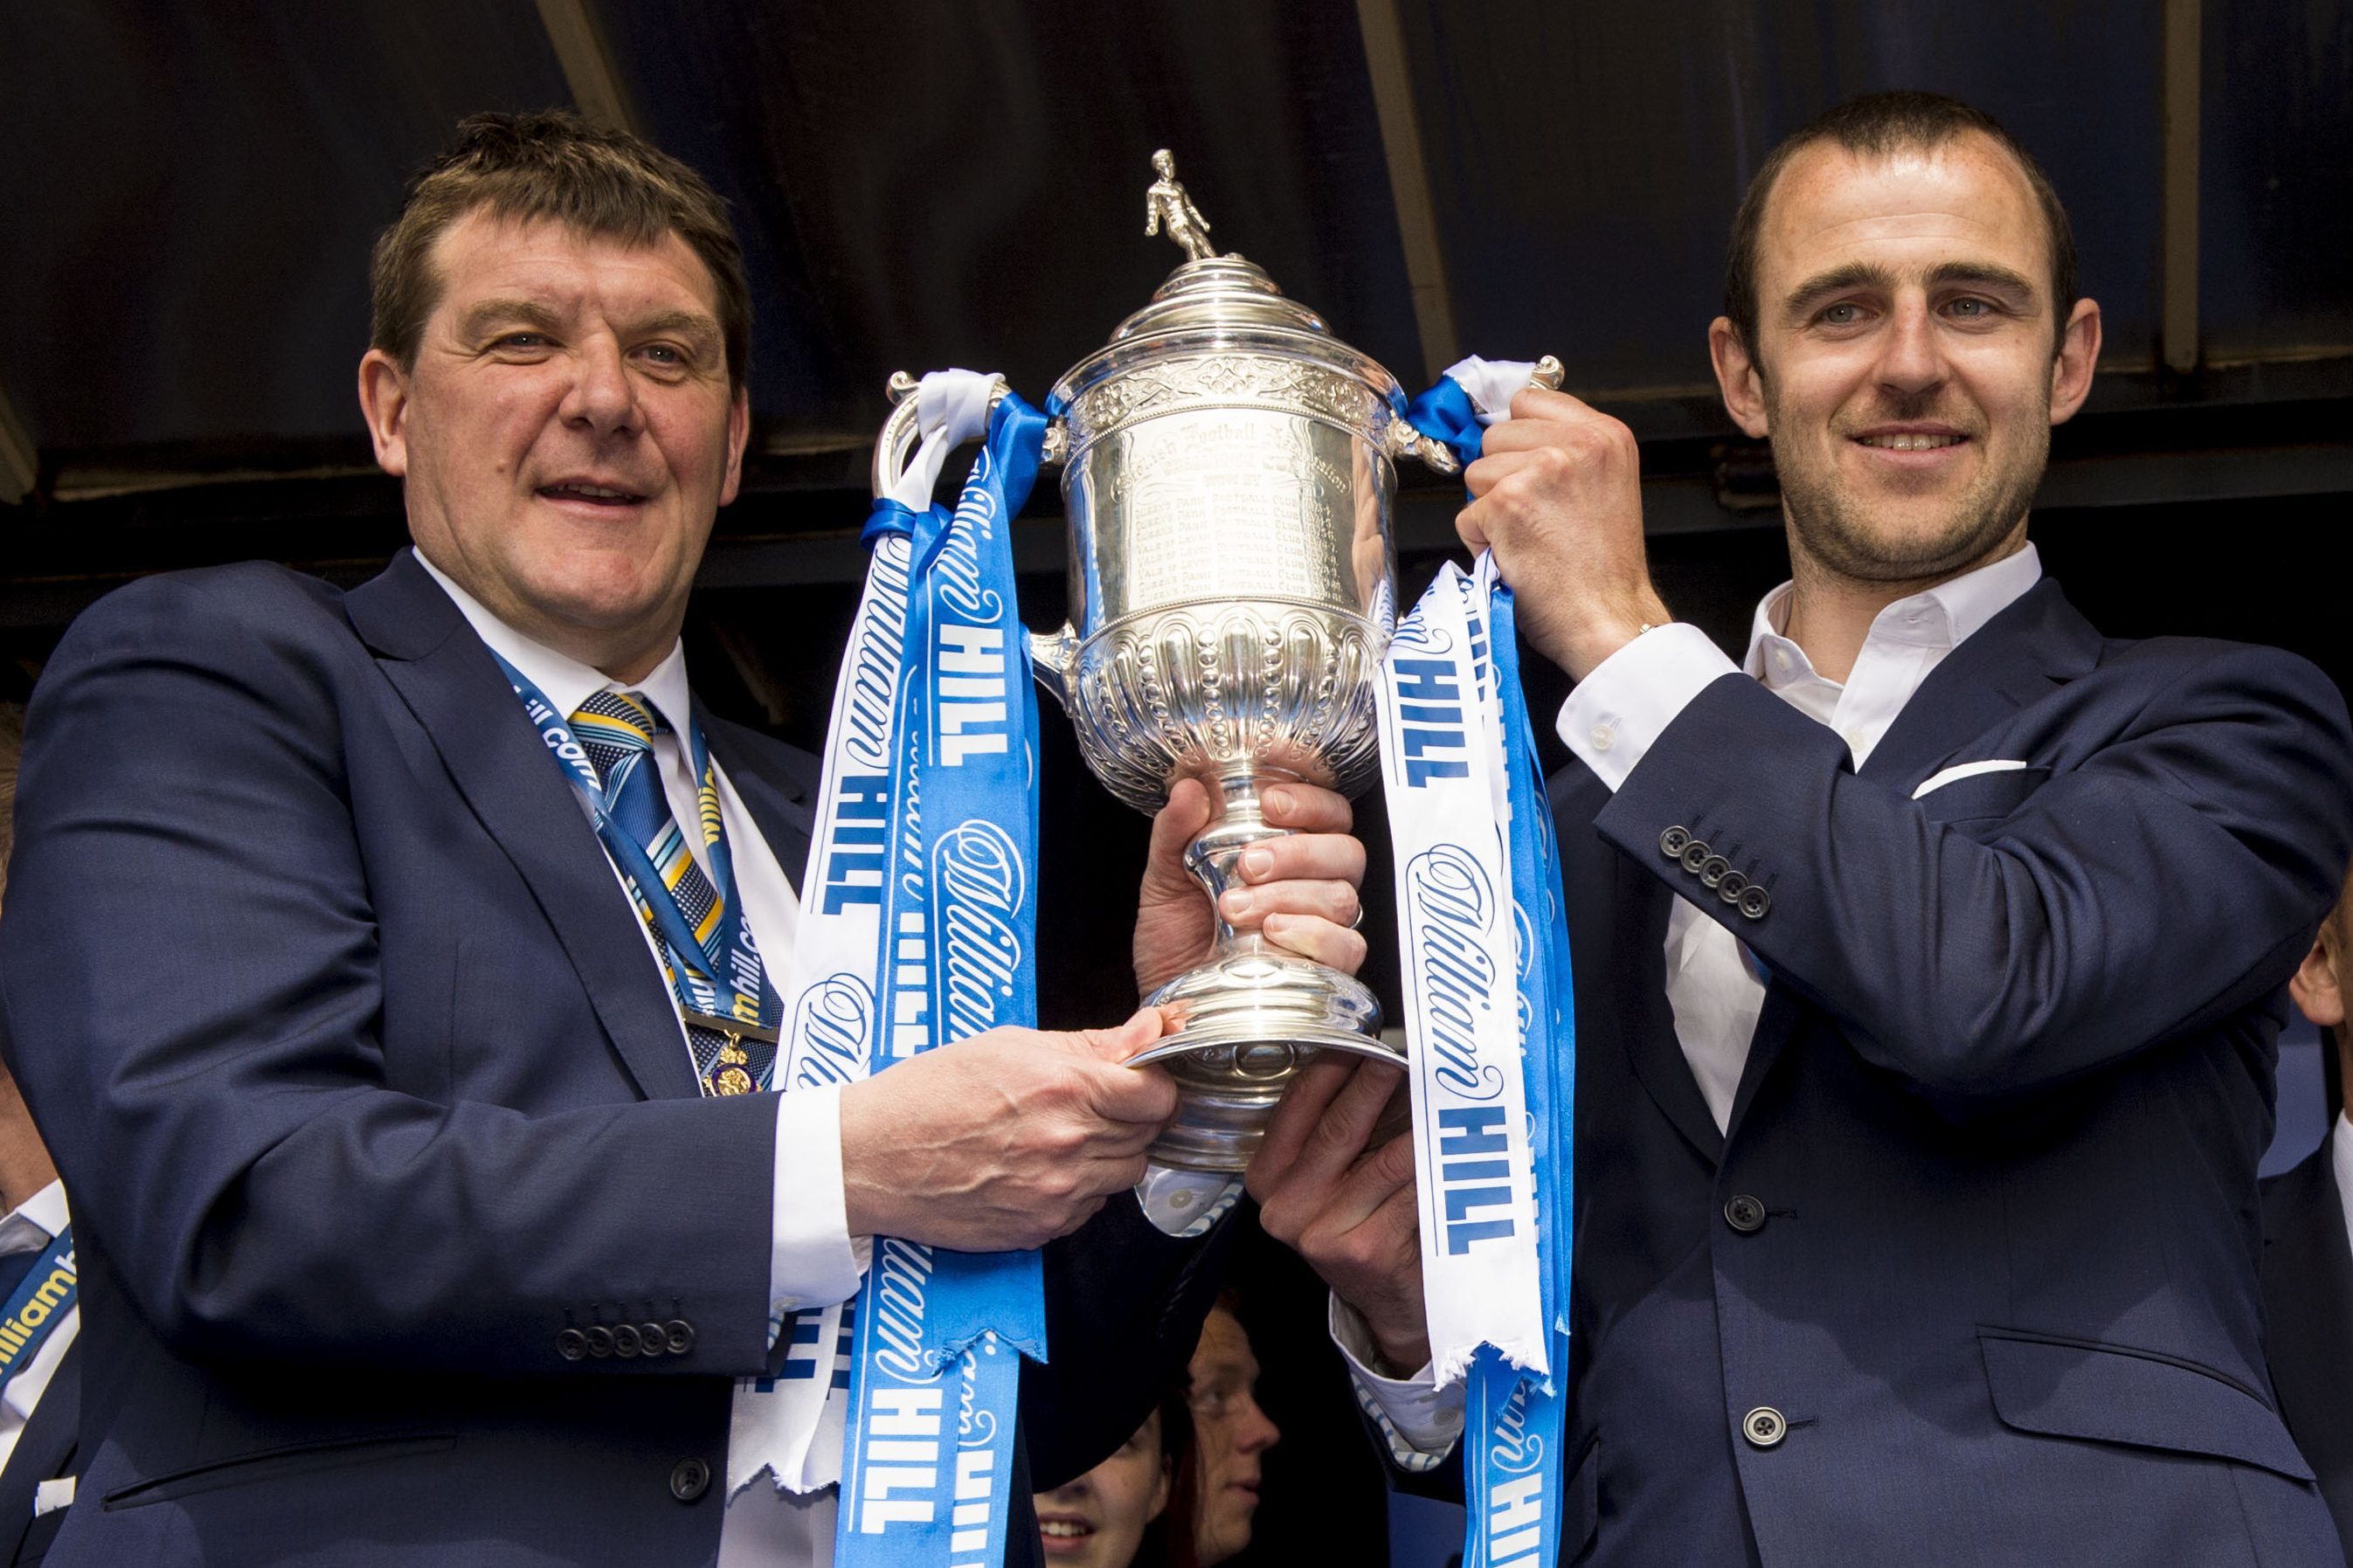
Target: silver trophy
point(1227, 472)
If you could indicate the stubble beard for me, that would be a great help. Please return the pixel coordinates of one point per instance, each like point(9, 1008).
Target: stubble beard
point(1835, 530)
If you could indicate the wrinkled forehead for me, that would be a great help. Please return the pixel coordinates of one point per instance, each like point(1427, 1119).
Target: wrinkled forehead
point(488, 252)
point(1910, 207)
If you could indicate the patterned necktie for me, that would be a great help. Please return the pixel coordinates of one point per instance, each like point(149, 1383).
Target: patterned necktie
point(616, 728)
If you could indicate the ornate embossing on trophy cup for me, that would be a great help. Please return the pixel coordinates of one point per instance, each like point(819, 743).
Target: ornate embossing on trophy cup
point(1229, 469)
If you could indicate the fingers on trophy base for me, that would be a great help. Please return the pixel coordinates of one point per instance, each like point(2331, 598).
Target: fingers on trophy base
point(1252, 1021)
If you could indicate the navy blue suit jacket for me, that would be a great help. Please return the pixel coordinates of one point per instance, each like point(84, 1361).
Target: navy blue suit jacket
point(320, 986)
point(2309, 1308)
point(1999, 1126)
point(45, 1450)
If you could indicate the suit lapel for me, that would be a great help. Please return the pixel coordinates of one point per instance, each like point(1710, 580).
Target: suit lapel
point(2310, 1307)
point(451, 684)
point(1618, 917)
point(45, 1448)
point(2035, 645)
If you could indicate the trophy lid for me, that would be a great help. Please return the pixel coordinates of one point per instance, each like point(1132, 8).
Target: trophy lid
point(1219, 291)
point(1213, 305)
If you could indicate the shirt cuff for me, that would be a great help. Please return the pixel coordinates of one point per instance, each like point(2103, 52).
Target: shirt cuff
point(811, 1263)
point(1627, 700)
point(1419, 1421)
point(1186, 1204)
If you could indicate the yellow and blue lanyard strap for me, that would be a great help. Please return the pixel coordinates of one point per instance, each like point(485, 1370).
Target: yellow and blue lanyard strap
point(706, 990)
point(42, 1300)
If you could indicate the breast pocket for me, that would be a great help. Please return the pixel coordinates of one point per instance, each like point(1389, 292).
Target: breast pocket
point(1979, 796)
point(2113, 1394)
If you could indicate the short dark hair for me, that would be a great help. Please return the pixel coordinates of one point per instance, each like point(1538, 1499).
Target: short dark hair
point(551, 164)
point(1876, 125)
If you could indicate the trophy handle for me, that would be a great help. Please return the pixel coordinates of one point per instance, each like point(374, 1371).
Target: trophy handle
point(1054, 661)
point(903, 432)
point(1405, 441)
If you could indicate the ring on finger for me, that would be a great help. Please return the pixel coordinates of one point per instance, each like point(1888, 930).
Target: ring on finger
point(1356, 921)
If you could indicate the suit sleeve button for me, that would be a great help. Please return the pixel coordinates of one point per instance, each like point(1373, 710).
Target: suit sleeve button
point(1764, 1427)
point(1672, 842)
point(572, 1344)
point(1695, 855)
point(1745, 1214)
point(689, 1480)
point(600, 1342)
point(625, 1339)
point(1754, 901)
point(1730, 889)
point(1713, 870)
point(652, 1340)
point(680, 1335)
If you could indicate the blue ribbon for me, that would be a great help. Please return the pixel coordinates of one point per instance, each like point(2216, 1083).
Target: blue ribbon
point(1446, 413)
point(928, 1462)
point(1513, 1425)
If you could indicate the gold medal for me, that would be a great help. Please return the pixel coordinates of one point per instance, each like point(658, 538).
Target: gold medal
point(731, 1080)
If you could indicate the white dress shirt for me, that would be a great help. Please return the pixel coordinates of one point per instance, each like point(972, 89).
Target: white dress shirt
point(30, 1226)
point(1610, 721)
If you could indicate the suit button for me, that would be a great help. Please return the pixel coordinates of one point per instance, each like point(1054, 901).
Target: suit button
point(1764, 1426)
point(679, 1334)
point(625, 1339)
point(1754, 901)
point(572, 1344)
point(1732, 887)
point(600, 1342)
point(1745, 1214)
point(689, 1480)
point(1713, 870)
point(1672, 842)
point(652, 1340)
point(1695, 855)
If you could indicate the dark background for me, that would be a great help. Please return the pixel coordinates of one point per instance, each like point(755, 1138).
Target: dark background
point(187, 195)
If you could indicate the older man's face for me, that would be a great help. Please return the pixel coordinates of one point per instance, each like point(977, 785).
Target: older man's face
point(1904, 365)
point(567, 432)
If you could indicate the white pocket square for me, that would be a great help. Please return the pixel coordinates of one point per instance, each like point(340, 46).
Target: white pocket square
point(1937, 781)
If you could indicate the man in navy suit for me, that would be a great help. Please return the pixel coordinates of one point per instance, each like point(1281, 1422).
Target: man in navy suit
point(1929, 964)
point(410, 1233)
point(2308, 1245)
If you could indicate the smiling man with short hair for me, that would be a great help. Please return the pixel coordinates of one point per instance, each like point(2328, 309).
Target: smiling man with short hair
point(425, 1214)
point(1929, 963)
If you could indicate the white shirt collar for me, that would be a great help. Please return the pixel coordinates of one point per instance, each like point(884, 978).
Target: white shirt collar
point(1939, 618)
point(43, 1211)
point(2340, 1154)
point(564, 680)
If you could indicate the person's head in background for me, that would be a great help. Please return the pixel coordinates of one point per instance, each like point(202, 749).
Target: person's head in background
point(25, 1164)
point(2323, 990)
point(1124, 1512)
point(1229, 1432)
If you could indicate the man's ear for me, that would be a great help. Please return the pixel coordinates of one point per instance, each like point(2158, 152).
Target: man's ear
point(739, 431)
point(384, 404)
point(1737, 373)
point(2314, 986)
point(2078, 357)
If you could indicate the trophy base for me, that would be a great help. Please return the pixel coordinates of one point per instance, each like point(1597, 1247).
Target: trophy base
point(1253, 1019)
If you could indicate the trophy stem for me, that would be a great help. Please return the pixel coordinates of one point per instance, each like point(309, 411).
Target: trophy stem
point(1254, 1014)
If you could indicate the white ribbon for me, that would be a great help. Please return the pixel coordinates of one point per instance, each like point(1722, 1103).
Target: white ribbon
point(1442, 760)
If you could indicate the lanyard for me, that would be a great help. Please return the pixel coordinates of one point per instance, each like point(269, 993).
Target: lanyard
point(41, 1301)
point(743, 991)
